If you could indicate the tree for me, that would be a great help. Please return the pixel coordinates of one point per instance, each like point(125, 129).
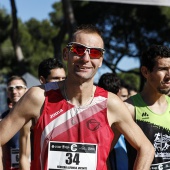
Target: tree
point(5, 42)
point(131, 79)
point(14, 32)
point(127, 29)
point(67, 22)
point(34, 38)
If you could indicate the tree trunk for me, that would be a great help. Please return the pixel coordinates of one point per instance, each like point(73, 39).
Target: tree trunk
point(69, 16)
point(14, 33)
point(68, 26)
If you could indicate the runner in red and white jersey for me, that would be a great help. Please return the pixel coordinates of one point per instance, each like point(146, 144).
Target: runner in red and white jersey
point(73, 119)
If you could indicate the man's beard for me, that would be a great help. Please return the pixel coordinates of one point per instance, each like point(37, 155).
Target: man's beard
point(163, 91)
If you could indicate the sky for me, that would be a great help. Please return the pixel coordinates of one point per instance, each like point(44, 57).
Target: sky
point(27, 9)
point(39, 9)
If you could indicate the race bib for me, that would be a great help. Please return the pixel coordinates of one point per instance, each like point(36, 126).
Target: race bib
point(14, 158)
point(160, 166)
point(68, 155)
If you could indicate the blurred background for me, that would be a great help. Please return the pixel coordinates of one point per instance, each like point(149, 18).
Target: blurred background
point(31, 31)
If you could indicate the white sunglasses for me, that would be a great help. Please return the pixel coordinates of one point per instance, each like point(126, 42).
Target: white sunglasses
point(18, 87)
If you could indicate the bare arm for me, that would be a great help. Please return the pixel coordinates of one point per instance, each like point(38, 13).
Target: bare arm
point(116, 136)
point(4, 152)
point(27, 108)
point(130, 106)
point(119, 114)
point(24, 149)
point(1, 163)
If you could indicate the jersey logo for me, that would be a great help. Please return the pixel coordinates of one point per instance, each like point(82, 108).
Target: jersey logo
point(55, 114)
point(145, 115)
point(93, 125)
point(161, 145)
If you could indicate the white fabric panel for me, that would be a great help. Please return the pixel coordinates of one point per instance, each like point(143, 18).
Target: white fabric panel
point(140, 2)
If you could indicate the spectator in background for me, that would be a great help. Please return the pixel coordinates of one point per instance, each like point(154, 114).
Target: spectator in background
point(118, 155)
point(16, 87)
point(49, 70)
point(110, 82)
point(123, 91)
point(132, 90)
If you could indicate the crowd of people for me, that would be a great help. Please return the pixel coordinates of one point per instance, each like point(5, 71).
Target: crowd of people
point(68, 122)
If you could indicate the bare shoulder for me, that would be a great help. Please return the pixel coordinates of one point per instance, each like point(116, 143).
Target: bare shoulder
point(28, 107)
point(119, 110)
point(32, 102)
point(35, 93)
point(115, 108)
point(113, 100)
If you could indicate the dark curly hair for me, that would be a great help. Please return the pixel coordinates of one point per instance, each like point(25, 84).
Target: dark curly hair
point(110, 82)
point(149, 57)
point(47, 65)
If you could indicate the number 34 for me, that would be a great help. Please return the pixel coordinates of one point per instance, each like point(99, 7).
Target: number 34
point(71, 158)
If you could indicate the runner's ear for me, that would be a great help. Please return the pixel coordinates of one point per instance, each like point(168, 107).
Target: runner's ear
point(144, 71)
point(42, 80)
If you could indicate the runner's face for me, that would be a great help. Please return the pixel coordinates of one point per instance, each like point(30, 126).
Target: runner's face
point(15, 94)
point(123, 93)
point(56, 74)
point(159, 78)
point(83, 66)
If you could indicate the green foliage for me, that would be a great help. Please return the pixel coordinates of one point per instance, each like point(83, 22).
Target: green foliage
point(6, 57)
point(35, 39)
point(56, 16)
point(127, 31)
point(6, 49)
point(165, 11)
point(131, 79)
point(5, 21)
point(41, 31)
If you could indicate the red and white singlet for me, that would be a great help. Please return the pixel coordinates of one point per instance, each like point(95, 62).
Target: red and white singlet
point(73, 143)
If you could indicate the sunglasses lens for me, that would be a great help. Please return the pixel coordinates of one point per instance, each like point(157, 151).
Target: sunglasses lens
point(95, 53)
point(19, 87)
point(10, 88)
point(16, 87)
point(78, 49)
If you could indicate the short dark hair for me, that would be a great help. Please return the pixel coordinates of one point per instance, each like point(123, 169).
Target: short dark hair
point(110, 82)
point(124, 85)
point(86, 28)
point(16, 77)
point(47, 65)
point(149, 56)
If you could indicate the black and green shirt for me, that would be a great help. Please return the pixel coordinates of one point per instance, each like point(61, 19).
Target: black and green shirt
point(157, 129)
